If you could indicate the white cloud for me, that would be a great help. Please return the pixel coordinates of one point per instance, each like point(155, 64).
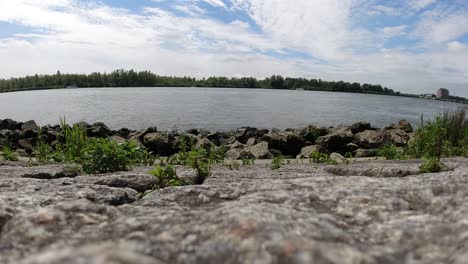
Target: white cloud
point(420, 4)
point(75, 37)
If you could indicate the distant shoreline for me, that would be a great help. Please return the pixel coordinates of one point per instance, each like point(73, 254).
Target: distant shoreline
point(305, 90)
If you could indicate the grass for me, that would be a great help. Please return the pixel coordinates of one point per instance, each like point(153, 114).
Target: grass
point(318, 157)
point(167, 176)
point(431, 165)
point(391, 152)
point(94, 155)
point(8, 154)
point(277, 162)
point(446, 136)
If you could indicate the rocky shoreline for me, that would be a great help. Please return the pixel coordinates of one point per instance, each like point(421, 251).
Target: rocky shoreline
point(374, 211)
point(359, 139)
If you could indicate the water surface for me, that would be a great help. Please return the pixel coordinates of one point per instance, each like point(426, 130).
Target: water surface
point(212, 108)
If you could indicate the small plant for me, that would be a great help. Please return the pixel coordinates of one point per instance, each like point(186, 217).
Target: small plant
point(277, 162)
point(42, 151)
point(103, 155)
point(233, 165)
point(348, 155)
point(167, 176)
point(431, 165)
point(199, 161)
point(390, 152)
point(8, 154)
point(318, 157)
point(74, 143)
point(247, 162)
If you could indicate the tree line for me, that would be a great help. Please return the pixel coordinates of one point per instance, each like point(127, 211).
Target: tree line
point(131, 78)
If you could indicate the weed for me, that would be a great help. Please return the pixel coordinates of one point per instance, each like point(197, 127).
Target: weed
point(247, 162)
point(103, 155)
point(75, 141)
point(199, 161)
point(318, 157)
point(8, 154)
point(431, 165)
point(167, 176)
point(277, 162)
point(233, 165)
point(42, 151)
point(390, 152)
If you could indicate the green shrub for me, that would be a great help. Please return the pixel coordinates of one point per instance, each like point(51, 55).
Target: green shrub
point(167, 176)
point(9, 154)
point(431, 165)
point(446, 136)
point(42, 151)
point(391, 152)
point(199, 161)
point(247, 162)
point(233, 165)
point(318, 157)
point(277, 162)
point(103, 155)
point(74, 143)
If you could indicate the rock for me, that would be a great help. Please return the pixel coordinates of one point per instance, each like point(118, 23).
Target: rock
point(289, 143)
point(193, 131)
point(26, 145)
point(243, 134)
point(99, 130)
point(21, 153)
point(251, 142)
point(306, 151)
point(371, 139)
point(205, 144)
point(160, 143)
point(366, 153)
point(238, 154)
point(364, 212)
point(360, 127)
point(237, 145)
point(140, 134)
point(216, 138)
point(260, 151)
point(351, 147)
point(403, 125)
point(338, 158)
point(337, 139)
point(124, 132)
point(118, 139)
point(398, 137)
point(29, 129)
point(10, 124)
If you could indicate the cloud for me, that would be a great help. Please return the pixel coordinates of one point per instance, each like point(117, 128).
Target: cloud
point(412, 51)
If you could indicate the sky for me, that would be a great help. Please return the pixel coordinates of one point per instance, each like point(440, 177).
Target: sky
point(414, 46)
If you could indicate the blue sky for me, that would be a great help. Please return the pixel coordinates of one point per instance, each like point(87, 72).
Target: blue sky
point(414, 46)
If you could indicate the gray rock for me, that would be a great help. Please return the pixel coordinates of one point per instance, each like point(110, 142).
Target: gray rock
point(288, 142)
point(238, 154)
point(398, 137)
point(338, 158)
point(160, 143)
point(306, 151)
point(371, 139)
point(26, 144)
point(205, 144)
point(260, 151)
point(366, 153)
point(337, 139)
point(365, 212)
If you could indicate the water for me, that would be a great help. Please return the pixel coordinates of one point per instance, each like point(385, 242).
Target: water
point(214, 109)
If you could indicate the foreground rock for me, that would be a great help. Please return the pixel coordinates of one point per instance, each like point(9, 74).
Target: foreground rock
point(366, 212)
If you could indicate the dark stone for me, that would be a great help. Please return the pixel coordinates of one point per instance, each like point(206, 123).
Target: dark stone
point(360, 127)
point(160, 143)
point(99, 130)
point(337, 139)
point(10, 124)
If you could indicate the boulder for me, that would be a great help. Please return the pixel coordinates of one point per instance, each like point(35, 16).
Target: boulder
point(99, 130)
point(289, 143)
point(26, 144)
point(371, 139)
point(366, 153)
point(337, 139)
point(216, 138)
point(398, 137)
point(29, 129)
point(118, 139)
point(306, 151)
point(260, 151)
point(123, 132)
point(360, 127)
point(10, 124)
point(252, 141)
point(237, 145)
point(403, 125)
point(243, 134)
point(238, 154)
point(338, 158)
point(204, 143)
point(160, 143)
point(351, 147)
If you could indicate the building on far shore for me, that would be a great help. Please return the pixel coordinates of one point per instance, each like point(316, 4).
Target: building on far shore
point(443, 93)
